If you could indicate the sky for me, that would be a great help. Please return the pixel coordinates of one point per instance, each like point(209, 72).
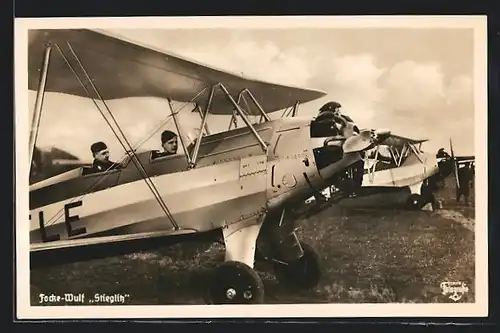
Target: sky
point(416, 82)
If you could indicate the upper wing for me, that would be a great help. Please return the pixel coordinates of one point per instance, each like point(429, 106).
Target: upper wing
point(398, 141)
point(121, 69)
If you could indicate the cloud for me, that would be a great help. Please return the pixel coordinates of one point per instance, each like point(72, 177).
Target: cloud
point(414, 86)
point(351, 80)
point(261, 60)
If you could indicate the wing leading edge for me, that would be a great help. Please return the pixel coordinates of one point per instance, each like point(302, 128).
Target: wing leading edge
point(121, 69)
point(399, 141)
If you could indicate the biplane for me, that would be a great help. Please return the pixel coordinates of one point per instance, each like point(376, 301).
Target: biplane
point(400, 162)
point(401, 167)
point(234, 186)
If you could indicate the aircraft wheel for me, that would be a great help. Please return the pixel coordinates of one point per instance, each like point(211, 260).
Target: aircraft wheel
point(415, 201)
point(234, 282)
point(303, 273)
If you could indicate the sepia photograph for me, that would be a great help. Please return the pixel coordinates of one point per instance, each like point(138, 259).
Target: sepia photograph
point(251, 167)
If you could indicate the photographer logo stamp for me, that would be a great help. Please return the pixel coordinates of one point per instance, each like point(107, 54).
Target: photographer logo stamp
point(454, 290)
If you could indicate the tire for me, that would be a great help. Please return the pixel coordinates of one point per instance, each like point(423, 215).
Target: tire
point(234, 282)
point(415, 202)
point(304, 273)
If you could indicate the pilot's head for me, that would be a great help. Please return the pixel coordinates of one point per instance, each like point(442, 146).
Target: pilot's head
point(331, 107)
point(100, 151)
point(169, 142)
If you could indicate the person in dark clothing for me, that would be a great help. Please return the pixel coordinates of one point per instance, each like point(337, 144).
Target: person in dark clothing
point(101, 162)
point(427, 193)
point(330, 107)
point(169, 144)
point(331, 110)
point(357, 169)
point(445, 165)
point(464, 181)
point(442, 154)
point(325, 124)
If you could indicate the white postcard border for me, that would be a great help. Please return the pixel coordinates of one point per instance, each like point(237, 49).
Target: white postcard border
point(479, 308)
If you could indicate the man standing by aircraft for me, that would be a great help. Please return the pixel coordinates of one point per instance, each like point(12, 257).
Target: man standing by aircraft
point(464, 181)
point(442, 154)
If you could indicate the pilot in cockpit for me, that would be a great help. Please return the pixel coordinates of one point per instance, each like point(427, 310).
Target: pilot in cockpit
point(331, 110)
point(331, 122)
point(343, 125)
point(169, 144)
point(101, 162)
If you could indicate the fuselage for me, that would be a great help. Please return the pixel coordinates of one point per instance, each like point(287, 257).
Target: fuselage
point(234, 179)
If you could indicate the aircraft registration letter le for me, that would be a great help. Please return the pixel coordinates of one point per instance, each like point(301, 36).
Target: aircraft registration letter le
point(43, 232)
point(68, 219)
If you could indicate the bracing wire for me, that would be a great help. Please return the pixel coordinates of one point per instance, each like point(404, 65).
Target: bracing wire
point(135, 159)
point(54, 218)
point(137, 163)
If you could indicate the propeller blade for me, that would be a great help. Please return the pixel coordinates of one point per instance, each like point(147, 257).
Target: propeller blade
point(455, 167)
point(357, 143)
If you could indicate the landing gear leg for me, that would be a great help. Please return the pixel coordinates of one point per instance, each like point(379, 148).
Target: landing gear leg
point(302, 273)
point(417, 199)
point(235, 281)
point(296, 264)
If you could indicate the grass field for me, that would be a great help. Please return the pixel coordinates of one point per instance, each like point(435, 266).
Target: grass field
point(368, 256)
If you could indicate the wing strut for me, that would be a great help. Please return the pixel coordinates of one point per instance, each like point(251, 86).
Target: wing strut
point(207, 130)
point(416, 152)
point(242, 115)
point(179, 131)
point(135, 159)
point(263, 114)
point(234, 120)
point(293, 110)
point(35, 124)
point(192, 164)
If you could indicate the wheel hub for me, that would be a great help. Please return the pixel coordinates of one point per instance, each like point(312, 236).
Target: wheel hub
point(230, 293)
point(247, 294)
point(236, 283)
